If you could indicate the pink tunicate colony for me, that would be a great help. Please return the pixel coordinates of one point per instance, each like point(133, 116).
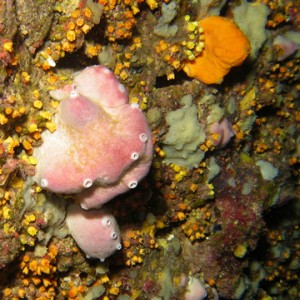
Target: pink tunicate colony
point(285, 47)
point(95, 231)
point(195, 290)
point(102, 147)
point(102, 144)
point(221, 133)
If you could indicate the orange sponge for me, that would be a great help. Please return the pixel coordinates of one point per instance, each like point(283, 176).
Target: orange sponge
point(225, 47)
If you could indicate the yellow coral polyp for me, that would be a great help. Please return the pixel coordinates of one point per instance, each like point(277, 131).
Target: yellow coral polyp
point(36, 94)
point(135, 9)
point(190, 45)
point(88, 13)
point(32, 230)
point(152, 4)
point(181, 216)
point(79, 22)
point(240, 251)
point(18, 112)
point(8, 110)
point(23, 239)
point(6, 195)
point(92, 50)
point(8, 46)
point(46, 282)
point(176, 168)
point(26, 77)
point(161, 153)
point(170, 76)
point(178, 177)
point(6, 212)
point(36, 280)
point(11, 143)
point(32, 127)
point(191, 26)
point(7, 292)
point(51, 126)
point(38, 104)
point(45, 114)
point(27, 145)
point(22, 293)
point(3, 119)
point(29, 159)
point(71, 35)
point(85, 28)
point(29, 218)
point(193, 187)
point(104, 279)
point(225, 47)
point(45, 266)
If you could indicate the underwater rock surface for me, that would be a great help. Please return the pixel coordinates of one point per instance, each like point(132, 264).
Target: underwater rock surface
point(218, 214)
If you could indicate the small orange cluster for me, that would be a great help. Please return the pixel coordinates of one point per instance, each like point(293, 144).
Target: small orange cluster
point(7, 53)
point(120, 25)
point(181, 211)
point(286, 70)
point(26, 131)
point(46, 58)
point(37, 277)
point(122, 68)
point(278, 19)
point(11, 121)
point(111, 4)
point(120, 18)
point(67, 37)
point(197, 225)
point(78, 26)
point(278, 269)
point(274, 144)
point(39, 266)
point(208, 145)
point(280, 12)
point(225, 46)
point(75, 291)
point(187, 46)
point(11, 115)
point(275, 140)
point(260, 147)
point(135, 246)
point(112, 287)
point(168, 52)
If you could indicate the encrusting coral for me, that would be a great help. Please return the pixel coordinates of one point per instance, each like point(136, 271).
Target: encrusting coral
point(225, 47)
